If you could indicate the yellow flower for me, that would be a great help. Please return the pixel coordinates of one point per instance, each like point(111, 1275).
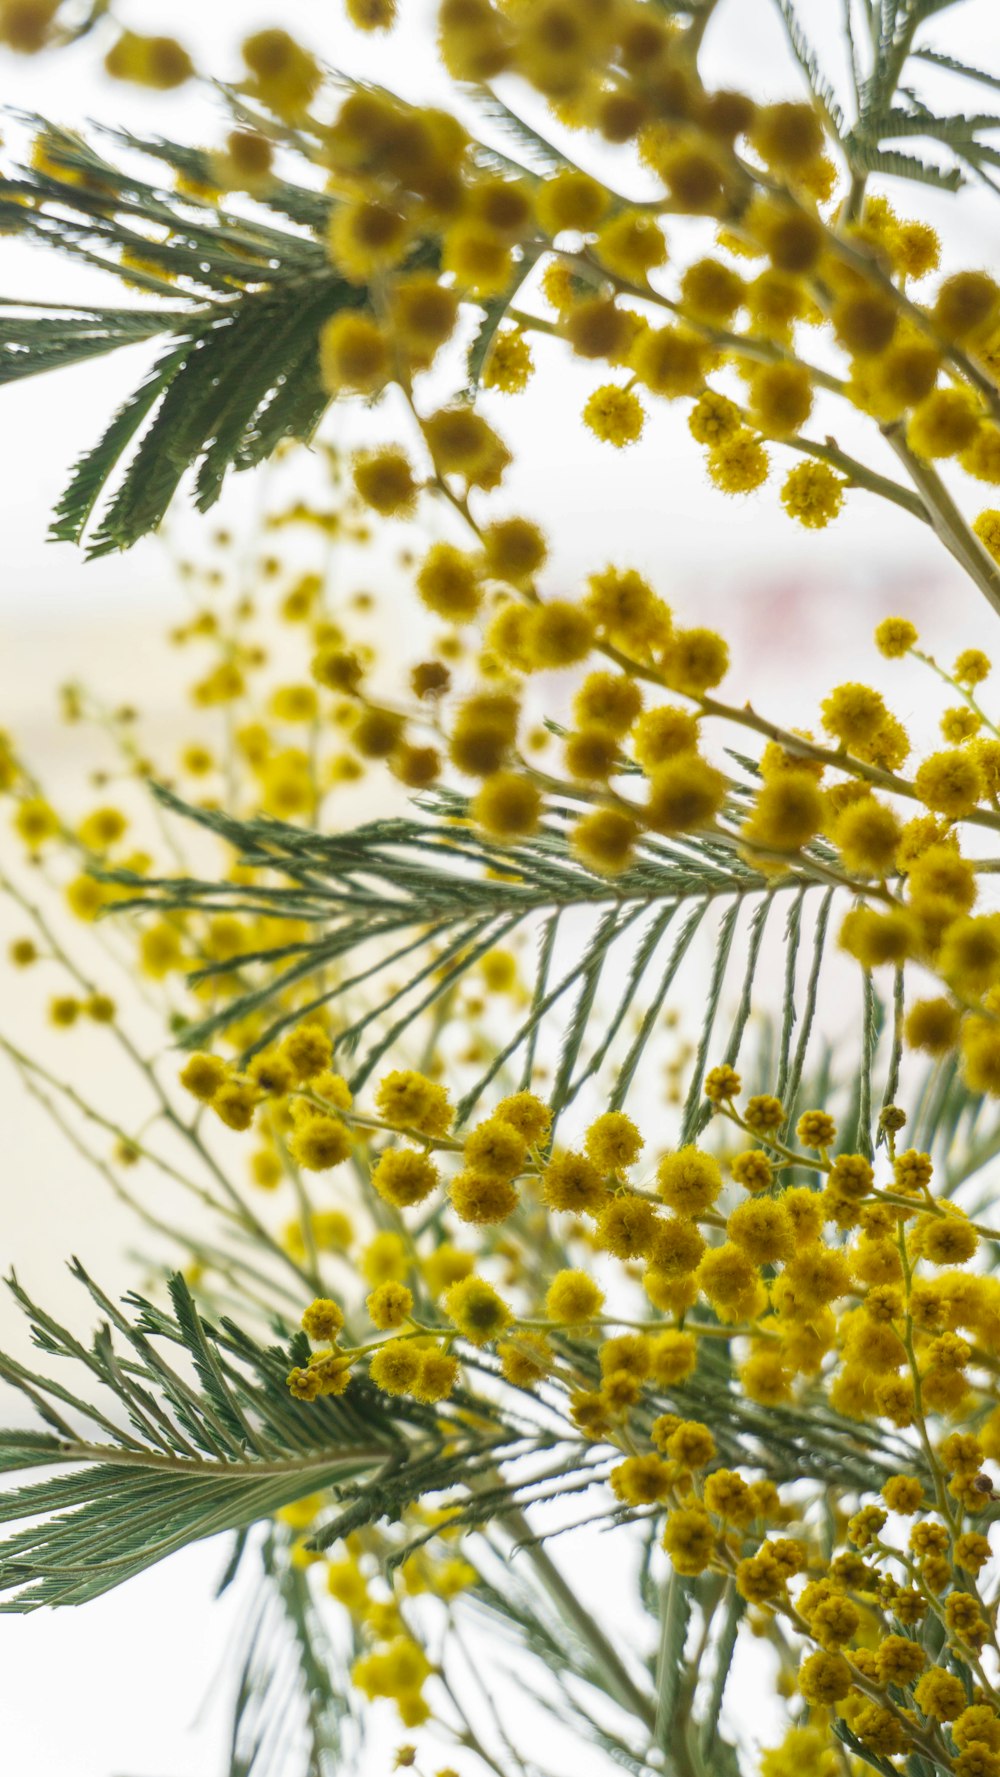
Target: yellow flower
point(614, 415)
point(689, 1540)
point(389, 1306)
point(812, 494)
point(509, 363)
point(475, 1308)
point(354, 354)
point(739, 463)
point(895, 636)
point(573, 1296)
point(613, 1142)
point(158, 62)
point(405, 1176)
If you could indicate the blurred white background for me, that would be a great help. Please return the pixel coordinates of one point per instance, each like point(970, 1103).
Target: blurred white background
point(799, 610)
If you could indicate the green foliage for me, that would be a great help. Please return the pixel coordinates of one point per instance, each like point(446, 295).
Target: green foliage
point(882, 46)
point(427, 898)
point(226, 1445)
point(241, 299)
point(247, 300)
point(289, 1712)
point(195, 1460)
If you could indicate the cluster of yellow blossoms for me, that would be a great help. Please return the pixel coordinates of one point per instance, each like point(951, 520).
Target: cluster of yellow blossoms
point(629, 1287)
point(394, 1664)
point(859, 1288)
point(843, 809)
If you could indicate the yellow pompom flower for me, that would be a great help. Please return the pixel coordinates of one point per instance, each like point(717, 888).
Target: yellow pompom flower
point(762, 1227)
point(616, 416)
point(449, 582)
point(670, 362)
point(385, 1257)
point(933, 1026)
point(354, 355)
point(613, 1142)
point(482, 1199)
point(385, 481)
point(202, 1075)
point(597, 328)
point(284, 74)
point(406, 1099)
point(950, 783)
point(711, 291)
point(787, 813)
point(943, 424)
point(853, 714)
point(509, 363)
point(987, 529)
point(423, 314)
point(389, 1306)
point(689, 1540)
point(560, 634)
point(395, 1366)
point(714, 418)
point(25, 25)
point(940, 1694)
point(366, 237)
point(436, 1377)
point(479, 258)
point(631, 245)
point(247, 162)
point(462, 443)
point(495, 1148)
point(689, 1181)
point(865, 322)
point(972, 667)
point(812, 494)
point(515, 549)
point(604, 840)
point(624, 606)
point(641, 1480)
point(573, 1297)
point(475, 1308)
point(372, 15)
point(895, 636)
point(685, 794)
point(722, 1084)
point(319, 1143)
point(509, 806)
point(570, 199)
point(780, 398)
point(158, 62)
point(609, 699)
point(966, 304)
point(787, 136)
point(405, 1176)
point(875, 939)
point(695, 660)
point(825, 1678)
point(867, 834)
point(323, 1320)
point(739, 464)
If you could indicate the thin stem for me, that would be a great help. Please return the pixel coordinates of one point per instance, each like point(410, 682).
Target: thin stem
point(620, 1680)
point(947, 520)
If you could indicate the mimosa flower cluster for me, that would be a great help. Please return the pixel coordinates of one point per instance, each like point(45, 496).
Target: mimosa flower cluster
point(755, 1313)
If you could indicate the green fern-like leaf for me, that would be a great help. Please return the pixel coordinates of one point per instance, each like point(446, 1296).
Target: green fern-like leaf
point(415, 902)
point(952, 65)
point(196, 1459)
point(820, 87)
point(291, 1705)
point(247, 301)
